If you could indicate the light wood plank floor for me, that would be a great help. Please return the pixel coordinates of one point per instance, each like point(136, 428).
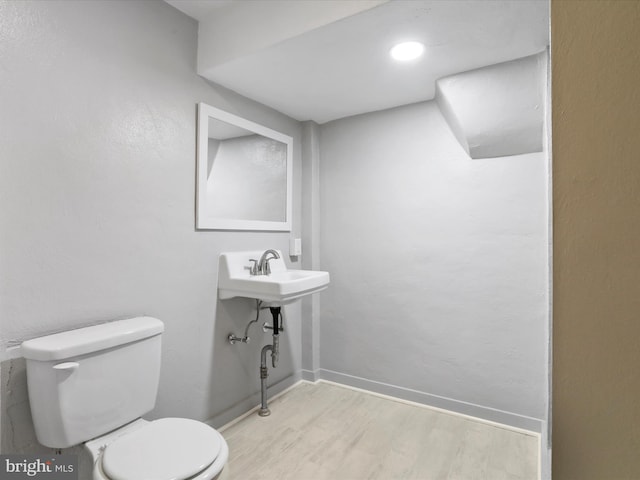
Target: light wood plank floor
point(323, 431)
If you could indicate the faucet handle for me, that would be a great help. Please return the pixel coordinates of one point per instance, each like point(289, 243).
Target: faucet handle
point(267, 266)
point(253, 269)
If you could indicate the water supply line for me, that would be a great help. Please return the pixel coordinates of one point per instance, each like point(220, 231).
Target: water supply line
point(233, 339)
point(274, 348)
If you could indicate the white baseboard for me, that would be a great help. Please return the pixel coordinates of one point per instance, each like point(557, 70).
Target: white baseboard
point(448, 405)
point(311, 375)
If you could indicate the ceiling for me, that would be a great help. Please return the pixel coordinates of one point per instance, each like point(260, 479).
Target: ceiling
point(342, 67)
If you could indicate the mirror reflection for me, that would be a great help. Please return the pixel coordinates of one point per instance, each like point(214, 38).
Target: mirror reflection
point(243, 173)
point(243, 167)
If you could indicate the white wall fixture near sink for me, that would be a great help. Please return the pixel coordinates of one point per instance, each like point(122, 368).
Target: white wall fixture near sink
point(281, 286)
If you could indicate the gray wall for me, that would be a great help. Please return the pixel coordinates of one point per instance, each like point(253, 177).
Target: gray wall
point(438, 265)
point(97, 189)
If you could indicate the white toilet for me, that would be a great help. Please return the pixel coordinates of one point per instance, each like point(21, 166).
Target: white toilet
point(93, 384)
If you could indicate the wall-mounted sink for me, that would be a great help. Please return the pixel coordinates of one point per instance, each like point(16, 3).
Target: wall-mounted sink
point(281, 286)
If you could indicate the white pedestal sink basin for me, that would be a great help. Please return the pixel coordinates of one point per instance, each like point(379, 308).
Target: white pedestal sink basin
point(280, 287)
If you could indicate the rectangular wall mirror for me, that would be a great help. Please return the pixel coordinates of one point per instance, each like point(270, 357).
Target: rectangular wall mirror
point(244, 178)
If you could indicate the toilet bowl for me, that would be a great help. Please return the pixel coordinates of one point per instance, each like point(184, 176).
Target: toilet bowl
point(165, 449)
point(92, 385)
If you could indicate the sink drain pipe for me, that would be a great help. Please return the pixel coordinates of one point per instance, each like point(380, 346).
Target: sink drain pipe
point(274, 348)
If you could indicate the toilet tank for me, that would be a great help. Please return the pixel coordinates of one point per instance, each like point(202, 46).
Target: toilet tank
point(84, 383)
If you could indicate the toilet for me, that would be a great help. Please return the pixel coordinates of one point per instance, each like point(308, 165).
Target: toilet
point(91, 386)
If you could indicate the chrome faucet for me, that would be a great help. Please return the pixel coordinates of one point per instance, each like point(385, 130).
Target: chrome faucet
point(262, 267)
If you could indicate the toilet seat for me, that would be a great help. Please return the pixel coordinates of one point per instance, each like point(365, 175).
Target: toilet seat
point(165, 449)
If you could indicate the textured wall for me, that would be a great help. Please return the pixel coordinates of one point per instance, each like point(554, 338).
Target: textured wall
point(497, 110)
point(596, 116)
point(438, 266)
point(97, 189)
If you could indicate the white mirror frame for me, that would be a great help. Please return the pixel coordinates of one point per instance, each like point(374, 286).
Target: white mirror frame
point(204, 219)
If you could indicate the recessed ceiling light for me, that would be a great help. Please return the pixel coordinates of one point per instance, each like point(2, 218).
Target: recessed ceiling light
point(403, 52)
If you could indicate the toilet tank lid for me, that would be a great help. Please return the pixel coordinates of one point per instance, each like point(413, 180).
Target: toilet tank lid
point(81, 341)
